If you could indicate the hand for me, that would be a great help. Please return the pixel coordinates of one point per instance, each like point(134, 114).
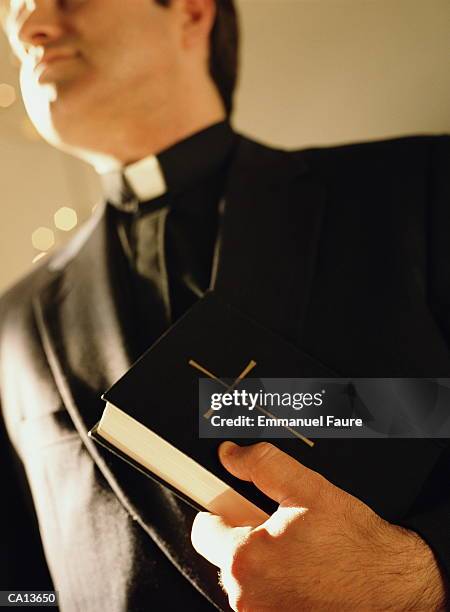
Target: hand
point(322, 549)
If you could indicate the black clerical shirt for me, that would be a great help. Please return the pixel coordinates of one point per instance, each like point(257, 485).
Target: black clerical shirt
point(169, 240)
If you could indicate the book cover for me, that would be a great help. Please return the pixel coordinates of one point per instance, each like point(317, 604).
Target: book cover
point(161, 389)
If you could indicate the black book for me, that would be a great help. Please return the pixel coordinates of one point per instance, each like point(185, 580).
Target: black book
point(152, 414)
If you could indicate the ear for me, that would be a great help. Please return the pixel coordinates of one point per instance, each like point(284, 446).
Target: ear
point(198, 20)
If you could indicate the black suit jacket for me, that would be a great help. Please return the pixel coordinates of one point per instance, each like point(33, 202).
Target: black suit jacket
point(342, 251)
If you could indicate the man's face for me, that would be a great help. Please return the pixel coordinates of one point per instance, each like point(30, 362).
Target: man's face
point(90, 61)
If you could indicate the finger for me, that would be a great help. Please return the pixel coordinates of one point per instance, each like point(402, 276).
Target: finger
point(274, 472)
point(215, 539)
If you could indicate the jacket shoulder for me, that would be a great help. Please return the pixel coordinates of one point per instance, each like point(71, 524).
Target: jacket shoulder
point(397, 154)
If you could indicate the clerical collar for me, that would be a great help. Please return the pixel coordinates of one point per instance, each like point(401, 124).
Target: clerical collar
point(172, 171)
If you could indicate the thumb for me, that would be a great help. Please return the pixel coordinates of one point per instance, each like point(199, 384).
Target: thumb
point(274, 472)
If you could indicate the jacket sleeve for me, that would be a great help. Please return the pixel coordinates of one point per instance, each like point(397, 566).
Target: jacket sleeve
point(430, 517)
point(22, 561)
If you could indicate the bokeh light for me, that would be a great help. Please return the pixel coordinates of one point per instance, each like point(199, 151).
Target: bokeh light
point(66, 219)
point(7, 95)
point(43, 239)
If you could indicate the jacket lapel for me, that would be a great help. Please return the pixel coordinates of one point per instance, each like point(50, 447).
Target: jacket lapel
point(85, 318)
point(269, 237)
point(85, 309)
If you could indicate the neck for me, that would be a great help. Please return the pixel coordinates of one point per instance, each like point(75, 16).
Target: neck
point(139, 134)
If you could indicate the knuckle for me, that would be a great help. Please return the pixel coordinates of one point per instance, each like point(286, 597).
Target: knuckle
point(235, 592)
point(325, 490)
point(247, 556)
point(317, 496)
point(263, 451)
point(240, 563)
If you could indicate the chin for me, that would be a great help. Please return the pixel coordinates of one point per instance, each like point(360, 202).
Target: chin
point(56, 104)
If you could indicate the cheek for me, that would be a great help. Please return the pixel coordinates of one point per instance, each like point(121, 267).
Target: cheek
point(134, 54)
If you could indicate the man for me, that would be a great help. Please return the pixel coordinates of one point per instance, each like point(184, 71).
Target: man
point(340, 251)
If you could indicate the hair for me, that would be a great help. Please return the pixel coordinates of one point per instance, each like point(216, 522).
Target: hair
point(224, 50)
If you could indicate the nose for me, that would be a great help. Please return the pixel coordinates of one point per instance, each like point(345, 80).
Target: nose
point(40, 23)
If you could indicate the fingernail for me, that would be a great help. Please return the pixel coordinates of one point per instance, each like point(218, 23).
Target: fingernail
point(227, 448)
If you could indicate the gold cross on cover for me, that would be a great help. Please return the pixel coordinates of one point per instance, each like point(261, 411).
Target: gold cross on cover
point(248, 368)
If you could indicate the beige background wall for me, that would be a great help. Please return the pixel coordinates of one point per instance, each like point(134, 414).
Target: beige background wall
point(314, 72)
